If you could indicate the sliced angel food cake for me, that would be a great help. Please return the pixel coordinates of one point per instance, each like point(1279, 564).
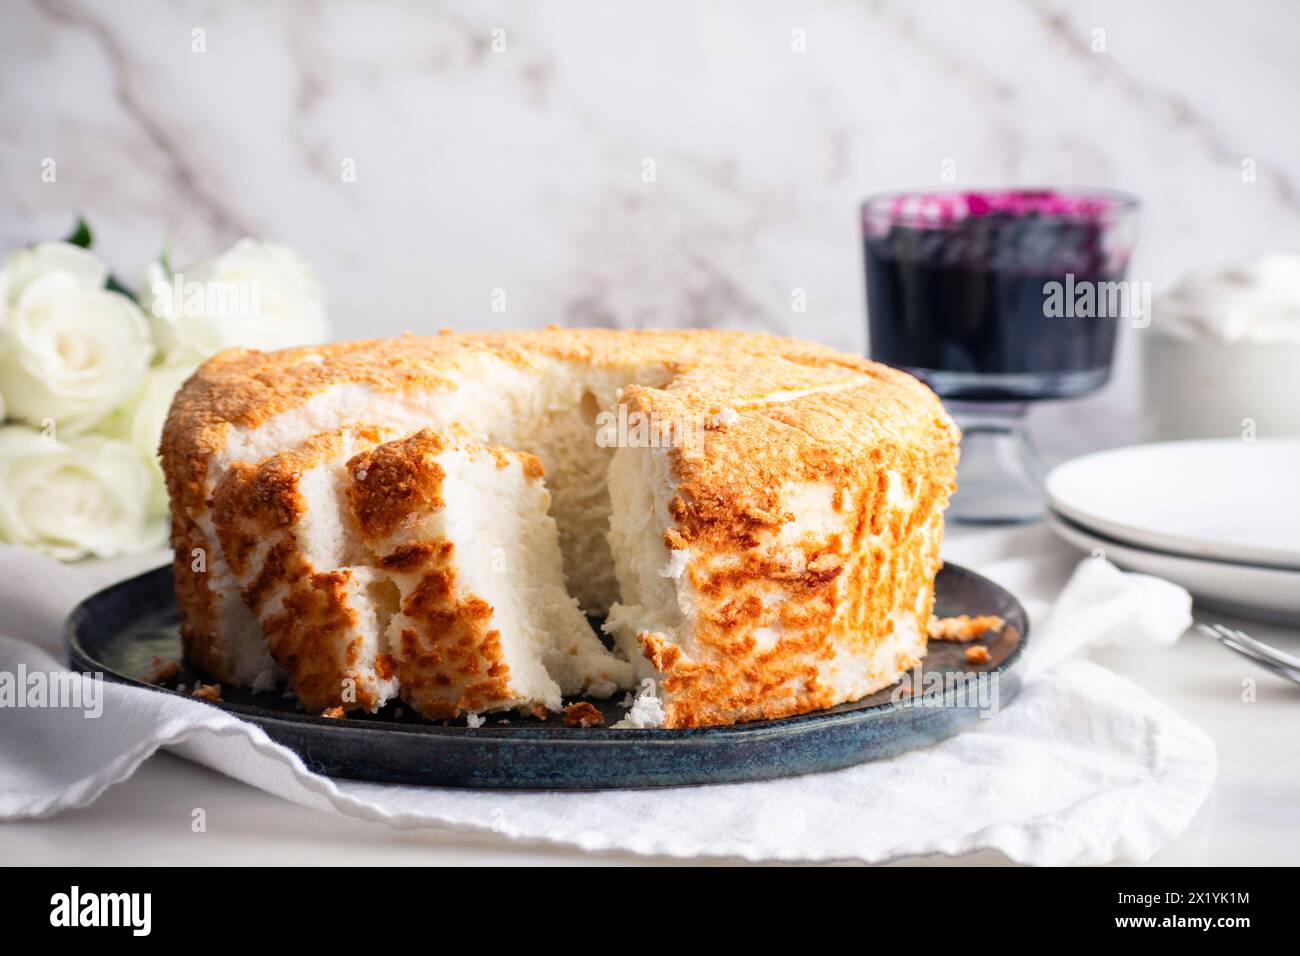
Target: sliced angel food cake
point(427, 567)
point(776, 557)
point(485, 621)
point(301, 570)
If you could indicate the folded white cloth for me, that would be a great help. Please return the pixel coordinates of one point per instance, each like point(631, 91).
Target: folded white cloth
point(1083, 767)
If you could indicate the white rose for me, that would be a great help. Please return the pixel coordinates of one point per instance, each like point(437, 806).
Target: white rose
point(140, 423)
point(71, 350)
point(24, 265)
point(85, 496)
point(254, 295)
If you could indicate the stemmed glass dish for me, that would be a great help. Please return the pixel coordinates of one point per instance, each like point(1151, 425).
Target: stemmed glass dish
point(998, 299)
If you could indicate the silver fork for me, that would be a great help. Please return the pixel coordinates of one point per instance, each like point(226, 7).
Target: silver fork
point(1284, 665)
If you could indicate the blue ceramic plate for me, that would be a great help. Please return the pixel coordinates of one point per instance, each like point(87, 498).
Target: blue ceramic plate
point(123, 630)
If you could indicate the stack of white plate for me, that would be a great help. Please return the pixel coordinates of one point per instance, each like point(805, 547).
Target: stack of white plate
point(1221, 517)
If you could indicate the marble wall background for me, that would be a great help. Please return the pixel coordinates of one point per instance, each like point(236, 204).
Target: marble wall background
point(521, 168)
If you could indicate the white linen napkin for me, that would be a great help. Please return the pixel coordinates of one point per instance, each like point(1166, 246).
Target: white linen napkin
point(1083, 767)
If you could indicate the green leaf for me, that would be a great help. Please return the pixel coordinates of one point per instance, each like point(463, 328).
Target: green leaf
point(165, 257)
point(114, 285)
point(81, 236)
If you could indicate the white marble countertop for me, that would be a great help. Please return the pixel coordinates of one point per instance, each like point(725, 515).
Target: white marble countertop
point(1252, 817)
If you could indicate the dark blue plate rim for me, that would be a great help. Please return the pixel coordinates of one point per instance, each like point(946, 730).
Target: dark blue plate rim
point(83, 660)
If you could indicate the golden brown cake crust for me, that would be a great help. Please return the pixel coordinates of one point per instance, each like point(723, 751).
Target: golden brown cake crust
point(395, 481)
point(806, 414)
point(246, 388)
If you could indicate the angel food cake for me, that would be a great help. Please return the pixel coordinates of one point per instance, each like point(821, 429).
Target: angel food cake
point(756, 519)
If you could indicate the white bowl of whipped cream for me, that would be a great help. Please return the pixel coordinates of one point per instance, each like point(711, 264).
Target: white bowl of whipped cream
point(1221, 357)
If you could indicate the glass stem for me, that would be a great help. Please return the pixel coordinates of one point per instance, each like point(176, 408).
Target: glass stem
point(1000, 477)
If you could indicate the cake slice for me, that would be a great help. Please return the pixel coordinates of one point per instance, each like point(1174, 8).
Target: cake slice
point(485, 622)
point(286, 537)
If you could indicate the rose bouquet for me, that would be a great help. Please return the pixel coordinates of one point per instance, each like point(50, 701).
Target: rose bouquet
point(88, 371)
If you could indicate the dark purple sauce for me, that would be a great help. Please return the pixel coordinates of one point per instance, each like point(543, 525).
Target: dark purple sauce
point(955, 289)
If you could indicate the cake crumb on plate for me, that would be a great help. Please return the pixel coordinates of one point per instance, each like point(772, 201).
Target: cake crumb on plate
point(583, 714)
point(963, 628)
point(160, 671)
point(209, 692)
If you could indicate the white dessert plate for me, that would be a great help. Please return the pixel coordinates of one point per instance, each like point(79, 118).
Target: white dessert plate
point(1246, 589)
point(1221, 499)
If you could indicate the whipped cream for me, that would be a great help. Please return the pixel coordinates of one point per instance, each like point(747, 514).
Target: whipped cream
point(1256, 303)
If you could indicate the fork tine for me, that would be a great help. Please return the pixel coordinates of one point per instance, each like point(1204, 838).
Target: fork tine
point(1265, 650)
point(1216, 631)
point(1249, 653)
point(1255, 651)
point(1280, 670)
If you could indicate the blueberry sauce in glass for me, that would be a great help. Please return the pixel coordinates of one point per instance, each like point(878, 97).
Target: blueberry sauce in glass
point(956, 288)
